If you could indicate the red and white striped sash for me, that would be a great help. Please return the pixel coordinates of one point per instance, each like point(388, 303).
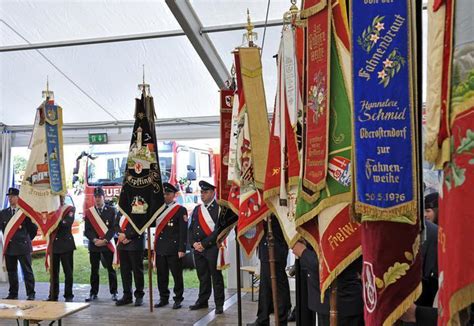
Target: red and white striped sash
point(101, 229)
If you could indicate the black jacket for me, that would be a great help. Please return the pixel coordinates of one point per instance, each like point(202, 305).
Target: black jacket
point(429, 256)
point(173, 237)
point(108, 217)
point(281, 247)
point(196, 233)
point(137, 242)
point(64, 241)
point(20, 243)
point(349, 287)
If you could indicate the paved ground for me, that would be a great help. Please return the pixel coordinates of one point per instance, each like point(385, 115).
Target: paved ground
point(104, 311)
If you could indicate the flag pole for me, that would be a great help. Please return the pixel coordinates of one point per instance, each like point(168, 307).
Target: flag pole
point(333, 304)
point(48, 95)
point(144, 87)
point(271, 261)
point(150, 272)
point(239, 281)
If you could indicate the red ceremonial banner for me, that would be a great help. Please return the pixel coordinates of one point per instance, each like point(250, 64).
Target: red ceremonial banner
point(226, 125)
point(456, 227)
point(315, 149)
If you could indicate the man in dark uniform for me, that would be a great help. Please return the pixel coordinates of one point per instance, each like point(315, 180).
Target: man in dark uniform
point(131, 246)
point(63, 247)
point(350, 305)
point(429, 253)
point(19, 248)
point(203, 239)
point(265, 298)
point(170, 247)
point(98, 245)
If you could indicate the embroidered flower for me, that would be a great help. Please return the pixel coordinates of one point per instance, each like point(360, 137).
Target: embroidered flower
point(374, 38)
point(388, 63)
point(379, 26)
point(382, 74)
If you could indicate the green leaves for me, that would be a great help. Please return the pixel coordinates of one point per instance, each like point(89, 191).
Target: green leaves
point(467, 143)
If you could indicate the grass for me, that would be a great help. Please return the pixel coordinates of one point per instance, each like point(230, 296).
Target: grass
point(82, 271)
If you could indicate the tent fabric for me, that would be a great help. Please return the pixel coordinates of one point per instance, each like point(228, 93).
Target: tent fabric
point(98, 83)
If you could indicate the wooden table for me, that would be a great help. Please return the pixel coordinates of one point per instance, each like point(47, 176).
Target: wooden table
point(39, 310)
point(254, 277)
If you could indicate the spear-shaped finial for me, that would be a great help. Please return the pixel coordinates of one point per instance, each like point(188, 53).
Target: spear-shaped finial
point(250, 36)
point(47, 94)
point(144, 87)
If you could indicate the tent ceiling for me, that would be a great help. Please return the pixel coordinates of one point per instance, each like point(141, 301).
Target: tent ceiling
point(99, 82)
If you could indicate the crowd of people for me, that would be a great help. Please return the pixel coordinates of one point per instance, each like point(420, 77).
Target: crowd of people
point(113, 241)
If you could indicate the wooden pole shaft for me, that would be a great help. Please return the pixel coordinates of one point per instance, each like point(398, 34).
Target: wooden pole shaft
point(239, 285)
point(273, 277)
point(150, 270)
point(333, 304)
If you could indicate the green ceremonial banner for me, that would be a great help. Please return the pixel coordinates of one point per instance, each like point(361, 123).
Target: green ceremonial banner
point(338, 180)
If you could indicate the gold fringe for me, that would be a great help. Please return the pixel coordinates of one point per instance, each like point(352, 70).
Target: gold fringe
point(460, 300)
point(318, 186)
point(272, 192)
point(345, 197)
point(404, 213)
point(305, 13)
point(254, 224)
point(309, 238)
point(402, 307)
point(431, 151)
point(221, 268)
point(339, 269)
point(309, 198)
point(444, 154)
point(290, 241)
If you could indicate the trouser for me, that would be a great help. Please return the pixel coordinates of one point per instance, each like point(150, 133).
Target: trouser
point(165, 264)
point(67, 261)
point(308, 317)
point(206, 271)
point(265, 298)
point(132, 262)
point(106, 257)
point(29, 278)
point(356, 320)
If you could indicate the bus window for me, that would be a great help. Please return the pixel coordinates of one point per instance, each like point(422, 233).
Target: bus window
point(204, 165)
point(182, 162)
point(165, 168)
point(105, 170)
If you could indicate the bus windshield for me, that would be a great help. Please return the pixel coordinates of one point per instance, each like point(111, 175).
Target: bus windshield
point(107, 169)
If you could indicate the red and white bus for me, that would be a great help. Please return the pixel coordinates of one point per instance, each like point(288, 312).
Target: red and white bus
point(178, 162)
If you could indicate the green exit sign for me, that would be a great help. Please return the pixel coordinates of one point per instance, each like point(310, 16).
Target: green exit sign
point(98, 138)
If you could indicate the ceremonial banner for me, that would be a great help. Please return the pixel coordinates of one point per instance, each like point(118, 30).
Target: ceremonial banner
point(385, 164)
point(44, 178)
point(315, 144)
point(225, 127)
point(436, 27)
point(327, 224)
point(384, 139)
point(141, 198)
point(248, 148)
point(455, 245)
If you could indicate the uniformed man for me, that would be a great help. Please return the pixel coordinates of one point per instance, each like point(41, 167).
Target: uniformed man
point(131, 246)
point(63, 247)
point(170, 247)
point(203, 240)
point(99, 229)
point(350, 306)
point(265, 298)
point(17, 245)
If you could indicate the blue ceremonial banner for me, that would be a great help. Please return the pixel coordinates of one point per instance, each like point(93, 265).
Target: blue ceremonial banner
point(54, 145)
point(385, 170)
